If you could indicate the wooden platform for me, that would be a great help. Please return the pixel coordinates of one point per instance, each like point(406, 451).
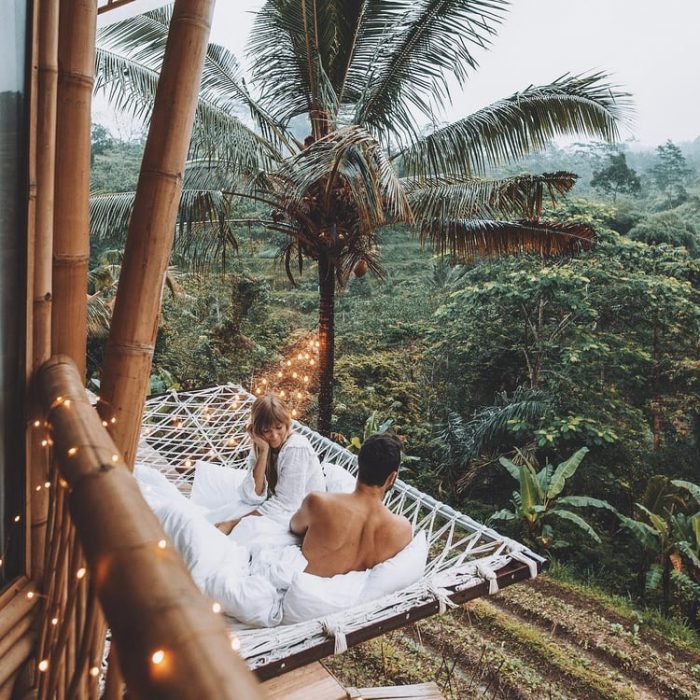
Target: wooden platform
point(314, 681)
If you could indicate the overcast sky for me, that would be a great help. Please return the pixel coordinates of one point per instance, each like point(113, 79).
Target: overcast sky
point(651, 49)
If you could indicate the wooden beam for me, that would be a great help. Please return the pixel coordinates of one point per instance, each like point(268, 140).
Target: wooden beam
point(148, 597)
point(129, 349)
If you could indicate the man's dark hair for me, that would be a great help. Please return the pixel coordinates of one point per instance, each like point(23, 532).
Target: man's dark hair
point(379, 455)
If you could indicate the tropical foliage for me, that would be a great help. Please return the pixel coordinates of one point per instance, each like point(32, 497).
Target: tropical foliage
point(364, 77)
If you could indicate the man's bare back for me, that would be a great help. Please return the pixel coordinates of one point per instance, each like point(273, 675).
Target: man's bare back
point(349, 531)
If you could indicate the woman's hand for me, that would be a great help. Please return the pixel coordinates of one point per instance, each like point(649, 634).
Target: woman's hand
point(259, 442)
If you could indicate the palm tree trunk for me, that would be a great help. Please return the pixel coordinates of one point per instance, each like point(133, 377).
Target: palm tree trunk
point(326, 337)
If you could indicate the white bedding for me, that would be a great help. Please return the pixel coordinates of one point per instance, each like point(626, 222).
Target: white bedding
point(257, 572)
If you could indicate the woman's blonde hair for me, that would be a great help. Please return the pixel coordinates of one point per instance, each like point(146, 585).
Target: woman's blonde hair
point(266, 412)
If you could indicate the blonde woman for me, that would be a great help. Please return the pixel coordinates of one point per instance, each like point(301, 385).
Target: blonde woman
point(282, 466)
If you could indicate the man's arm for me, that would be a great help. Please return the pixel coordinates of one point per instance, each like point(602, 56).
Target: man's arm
point(301, 520)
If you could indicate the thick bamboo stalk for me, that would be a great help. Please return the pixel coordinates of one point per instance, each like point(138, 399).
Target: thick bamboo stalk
point(129, 350)
point(148, 597)
point(42, 263)
point(16, 604)
point(76, 64)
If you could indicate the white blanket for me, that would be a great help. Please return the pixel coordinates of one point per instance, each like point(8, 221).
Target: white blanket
point(257, 572)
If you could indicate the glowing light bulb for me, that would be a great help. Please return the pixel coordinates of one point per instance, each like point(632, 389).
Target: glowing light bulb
point(264, 381)
point(289, 363)
point(80, 573)
point(38, 488)
point(312, 362)
point(43, 665)
point(44, 443)
point(17, 518)
point(162, 544)
point(94, 671)
point(294, 413)
point(115, 458)
point(300, 356)
point(72, 451)
point(63, 483)
point(37, 423)
point(235, 643)
point(306, 377)
point(279, 374)
point(30, 595)
point(54, 621)
point(158, 657)
point(67, 403)
point(113, 420)
point(298, 394)
point(188, 462)
point(105, 423)
point(216, 608)
point(47, 484)
point(258, 391)
point(282, 393)
point(294, 375)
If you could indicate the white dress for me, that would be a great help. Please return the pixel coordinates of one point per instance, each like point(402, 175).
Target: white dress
point(298, 473)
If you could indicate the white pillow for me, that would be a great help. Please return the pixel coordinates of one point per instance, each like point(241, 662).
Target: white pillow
point(400, 571)
point(338, 480)
point(154, 486)
point(215, 485)
point(312, 596)
point(204, 549)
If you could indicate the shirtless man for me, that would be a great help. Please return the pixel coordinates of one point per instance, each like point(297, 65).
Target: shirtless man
point(355, 531)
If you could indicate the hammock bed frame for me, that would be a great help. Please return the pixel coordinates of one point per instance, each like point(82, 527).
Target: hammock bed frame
point(466, 559)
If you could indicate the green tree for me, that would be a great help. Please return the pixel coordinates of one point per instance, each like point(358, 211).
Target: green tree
point(363, 77)
point(539, 501)
point(618, 177)
point(671, 173)
point(667, 227)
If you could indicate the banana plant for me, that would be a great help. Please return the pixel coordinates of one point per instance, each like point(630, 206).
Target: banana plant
point(669, 537)
point(538, 501)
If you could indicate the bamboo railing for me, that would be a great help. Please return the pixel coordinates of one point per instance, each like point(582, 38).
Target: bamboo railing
point(170, 642)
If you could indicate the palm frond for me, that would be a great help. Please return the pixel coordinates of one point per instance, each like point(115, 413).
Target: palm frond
point(468, 239)
point(348, 168)
point(586, 105)
point(417, 54)
point(521, 196)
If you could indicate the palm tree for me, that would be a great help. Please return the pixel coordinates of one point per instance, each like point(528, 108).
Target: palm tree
point(364, 76)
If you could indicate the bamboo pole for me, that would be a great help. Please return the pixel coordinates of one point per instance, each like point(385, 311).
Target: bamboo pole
point(37, 455)
point(148, 597)
point(129, 350)
point(76, 65)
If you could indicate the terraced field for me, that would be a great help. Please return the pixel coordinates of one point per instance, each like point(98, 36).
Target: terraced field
point(539, 640)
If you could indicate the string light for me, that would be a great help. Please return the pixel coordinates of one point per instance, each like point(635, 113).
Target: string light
point(67, 403)
point(264, 381)
point(72, 451)
point(235, 643)
point(30, 595)
point(115, 458)
point(282, 393)
point(216, 608)
point(162, 544)
point(37, 423)
point(294, 413)
point(44, 443)
point(80, 573)
point(54, 621)
point(258, 391)
point(294, 375)
point(43, 665)
point(279, 374)
point(289, 363)
point(94, 671)
point(158, 657)
point(105, 423)
point(113, 420)
point(17, 518)
point(300, 356)
point(38, 488)
point(63, 483)
point(47, 484)
point(188, 463)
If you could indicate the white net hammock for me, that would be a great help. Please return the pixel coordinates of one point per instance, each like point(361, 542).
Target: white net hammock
point(466, 558)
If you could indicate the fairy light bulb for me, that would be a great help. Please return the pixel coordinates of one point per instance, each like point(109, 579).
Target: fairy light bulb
point(17, 518)
point(162, 544)
point(43, 665)
point(72, 451)
point(258, 391)
point(216, 608)
point(54, 621)
point(306, 377)
point(282, 393)
point(294, 375)
point(279, 374)
point(294, 413)
point(312, 362)
point(235, 643)
point(115, 458)
point(30, 595)
point(289, 363)
point(264, 381)
point(188, 463)
point(80, 573)
point(113, 420)
point(47, 484)
point(104, 423)
point(94, 671)
point(300, 356)
point(37, 423)
point(158, 657)
point(44, 443)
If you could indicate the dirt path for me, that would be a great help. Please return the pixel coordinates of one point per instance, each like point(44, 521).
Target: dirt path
point(542, 640)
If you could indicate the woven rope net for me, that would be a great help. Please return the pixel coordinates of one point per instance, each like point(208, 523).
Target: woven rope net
point(181, 428)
